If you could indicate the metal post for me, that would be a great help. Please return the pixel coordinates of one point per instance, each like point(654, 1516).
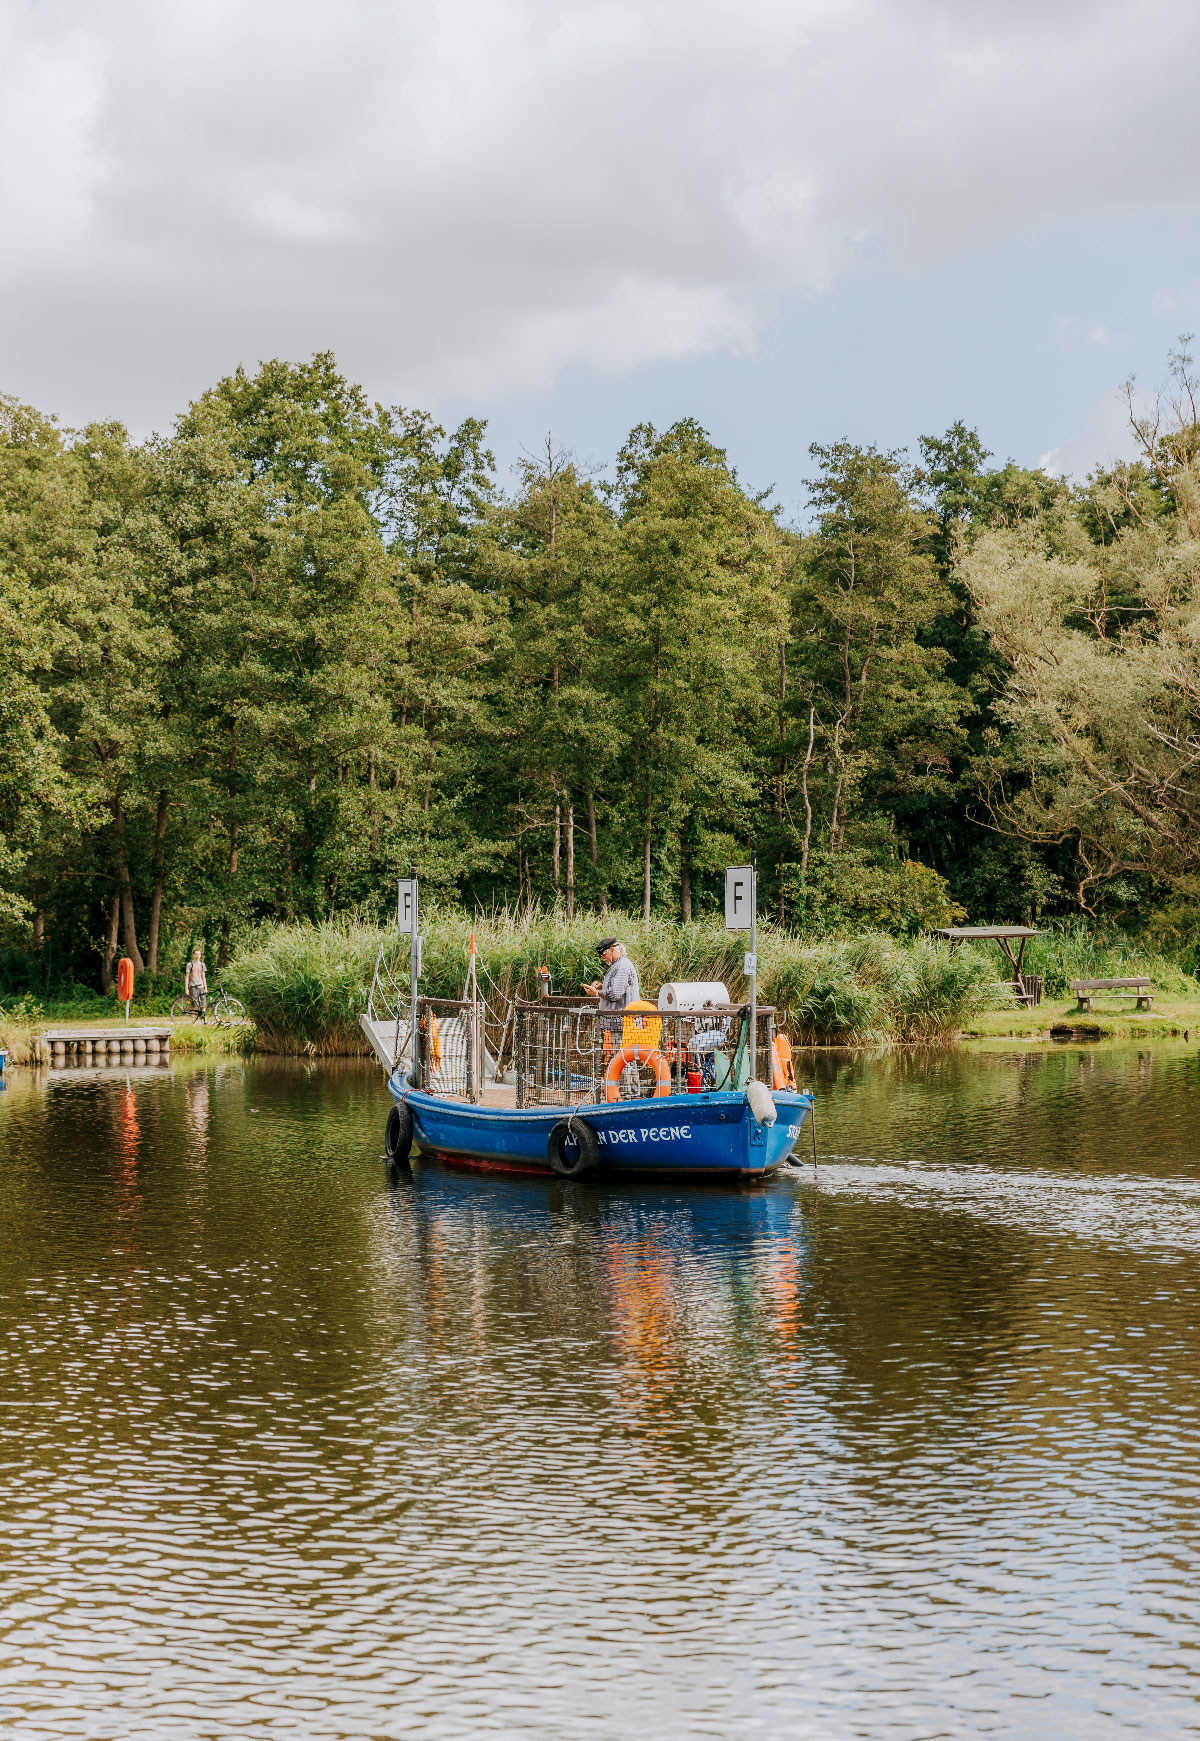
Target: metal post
point(753, 975)
point(476, 1085)
point(414, 968)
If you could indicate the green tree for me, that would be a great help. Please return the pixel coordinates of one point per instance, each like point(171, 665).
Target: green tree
point(81, 542)
point(273, 478)
point(438, 639)
point(554, 557)
point(695, 620)
point(885, 718)
point(35, 795)
point(1101, 705)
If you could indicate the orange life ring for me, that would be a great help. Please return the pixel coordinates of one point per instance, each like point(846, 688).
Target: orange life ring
point(783, 1071)
point(648, 1055)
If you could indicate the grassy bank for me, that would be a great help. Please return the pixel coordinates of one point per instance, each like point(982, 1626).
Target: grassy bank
point(1074, 950)
point(305, 985)
point(1172, 1018)
point(19, 1027)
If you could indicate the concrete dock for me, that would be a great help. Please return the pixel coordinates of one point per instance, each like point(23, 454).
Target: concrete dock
point(133, 1044)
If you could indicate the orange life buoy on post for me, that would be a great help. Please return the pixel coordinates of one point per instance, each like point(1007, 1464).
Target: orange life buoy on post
point(651, 1057)
point(124, 979)
point(783, 1071)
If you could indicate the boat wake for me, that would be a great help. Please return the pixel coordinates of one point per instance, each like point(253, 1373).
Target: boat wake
point(1137, 1212)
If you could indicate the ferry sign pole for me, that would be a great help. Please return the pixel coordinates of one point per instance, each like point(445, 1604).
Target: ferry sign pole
point(476, 1084)
point(406, 918)
point(741, 914)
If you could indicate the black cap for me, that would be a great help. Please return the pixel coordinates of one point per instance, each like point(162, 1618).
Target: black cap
point(605, 943)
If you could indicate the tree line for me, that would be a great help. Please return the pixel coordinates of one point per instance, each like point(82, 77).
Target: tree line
point(259, 667)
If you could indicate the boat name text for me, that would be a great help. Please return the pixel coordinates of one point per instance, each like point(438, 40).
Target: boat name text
point(663, 1133)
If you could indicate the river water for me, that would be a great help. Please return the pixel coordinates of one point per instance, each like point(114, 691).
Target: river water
point(910, 1449)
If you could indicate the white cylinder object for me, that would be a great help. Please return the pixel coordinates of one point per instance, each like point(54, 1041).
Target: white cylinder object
point(692, 994)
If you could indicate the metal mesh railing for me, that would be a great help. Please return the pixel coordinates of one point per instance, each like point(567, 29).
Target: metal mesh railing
point(570, 1054)
point(500, 1025)
point(557, 1052)
point(450, 1047)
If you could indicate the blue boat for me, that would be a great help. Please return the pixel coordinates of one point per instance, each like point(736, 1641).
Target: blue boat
point(680, 1134)
point(649, 1090)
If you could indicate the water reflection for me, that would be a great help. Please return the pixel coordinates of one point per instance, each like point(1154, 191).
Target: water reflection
point(198, 1115)
point(908, 1450)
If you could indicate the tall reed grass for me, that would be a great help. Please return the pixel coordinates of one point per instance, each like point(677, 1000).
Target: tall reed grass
point(19, 1026)
point(305, 985)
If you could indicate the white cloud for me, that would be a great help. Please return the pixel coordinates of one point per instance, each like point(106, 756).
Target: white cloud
point(1072, 333)
point(1169, 304)
point(1105, 438)
point(469, 195)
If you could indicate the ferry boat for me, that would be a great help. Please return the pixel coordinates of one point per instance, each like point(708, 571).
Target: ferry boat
point(559, 1086)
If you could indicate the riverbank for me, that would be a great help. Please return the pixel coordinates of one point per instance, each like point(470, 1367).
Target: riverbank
point(304, 986)
point(1172, 1018)
point(1050, 1024)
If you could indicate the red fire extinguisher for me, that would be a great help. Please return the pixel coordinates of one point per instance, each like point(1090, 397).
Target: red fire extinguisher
point(125, 982)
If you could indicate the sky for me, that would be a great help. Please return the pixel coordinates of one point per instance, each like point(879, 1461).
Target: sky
point(797, 220)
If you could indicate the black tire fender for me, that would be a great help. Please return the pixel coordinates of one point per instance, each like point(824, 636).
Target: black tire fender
point(573, 1148)
point(398, 1133)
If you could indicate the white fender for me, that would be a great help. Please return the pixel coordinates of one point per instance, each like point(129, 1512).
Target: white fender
point(758, 1097)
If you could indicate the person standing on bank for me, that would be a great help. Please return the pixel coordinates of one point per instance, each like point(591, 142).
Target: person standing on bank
point(195, 981)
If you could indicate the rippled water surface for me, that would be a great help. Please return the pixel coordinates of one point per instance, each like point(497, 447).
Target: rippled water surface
point(907, 1450)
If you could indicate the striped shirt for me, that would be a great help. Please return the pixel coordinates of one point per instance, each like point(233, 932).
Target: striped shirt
point(620, 985)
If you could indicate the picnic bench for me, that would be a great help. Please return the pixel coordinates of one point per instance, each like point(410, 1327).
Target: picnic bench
point(1085, 989)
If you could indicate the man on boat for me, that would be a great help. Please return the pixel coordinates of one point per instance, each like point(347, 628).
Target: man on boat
point(619, 987)
point(616, 991)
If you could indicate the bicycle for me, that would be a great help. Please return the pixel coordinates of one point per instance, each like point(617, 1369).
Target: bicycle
point(226, 1010)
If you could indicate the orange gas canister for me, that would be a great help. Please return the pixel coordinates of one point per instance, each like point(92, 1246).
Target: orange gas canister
point(125, 979)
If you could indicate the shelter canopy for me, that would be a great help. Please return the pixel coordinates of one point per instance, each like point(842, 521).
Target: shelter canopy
point(980, 933)
point(1005, 936)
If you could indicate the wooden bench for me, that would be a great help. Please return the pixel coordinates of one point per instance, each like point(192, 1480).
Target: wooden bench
point(1085, 989)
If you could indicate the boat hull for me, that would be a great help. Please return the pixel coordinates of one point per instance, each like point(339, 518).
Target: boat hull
point(702, 1134)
